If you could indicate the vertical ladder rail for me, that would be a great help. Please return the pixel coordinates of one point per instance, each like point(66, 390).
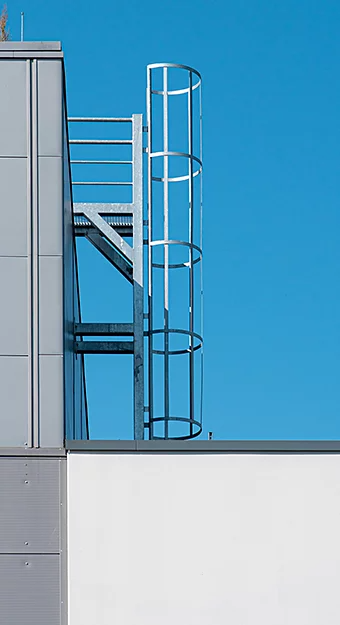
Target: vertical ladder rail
point(138, 293)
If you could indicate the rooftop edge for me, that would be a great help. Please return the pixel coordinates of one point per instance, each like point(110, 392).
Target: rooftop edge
point(31, 50)
point(30, 46)
point(214, 446)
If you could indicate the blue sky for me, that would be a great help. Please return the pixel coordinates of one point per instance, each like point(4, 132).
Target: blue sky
point(271, 191)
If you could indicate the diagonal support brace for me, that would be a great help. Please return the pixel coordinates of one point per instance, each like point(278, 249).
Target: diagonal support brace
point(115, 239)
point(111, 255)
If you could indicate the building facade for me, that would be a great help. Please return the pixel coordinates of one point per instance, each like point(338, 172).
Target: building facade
point(148, 532)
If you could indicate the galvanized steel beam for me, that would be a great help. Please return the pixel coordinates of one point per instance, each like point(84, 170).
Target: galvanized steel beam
point(111, 254)
point(103, 329)
point(103, 347)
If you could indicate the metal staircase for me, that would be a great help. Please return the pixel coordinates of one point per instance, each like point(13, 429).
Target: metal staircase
point(104, 225)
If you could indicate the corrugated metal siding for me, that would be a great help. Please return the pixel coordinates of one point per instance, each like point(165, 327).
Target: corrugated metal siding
point(29, 505)
point(32, 540)
point(30, 590)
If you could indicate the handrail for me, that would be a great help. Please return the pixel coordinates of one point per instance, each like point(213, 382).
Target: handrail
point(109, 183)
point(120, 120)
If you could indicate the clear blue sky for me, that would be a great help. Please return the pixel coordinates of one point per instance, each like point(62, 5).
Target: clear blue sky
point(272, 163)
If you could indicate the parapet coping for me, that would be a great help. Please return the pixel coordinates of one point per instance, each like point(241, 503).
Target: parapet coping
point(204, 447)
point(31, 49)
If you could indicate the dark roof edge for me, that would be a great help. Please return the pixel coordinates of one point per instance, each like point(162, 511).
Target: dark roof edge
point(214, 446)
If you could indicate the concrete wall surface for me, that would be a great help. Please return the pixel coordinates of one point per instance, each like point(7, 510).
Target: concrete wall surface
point(203, 539)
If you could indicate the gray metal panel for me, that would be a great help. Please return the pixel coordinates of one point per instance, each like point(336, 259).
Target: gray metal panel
point(15, 400)
point(13, 120)
point(31, 318)
point(51, 397)
point(14, 310)
point(13, 185)
point(50, 206)
point(30, 590)
point(51, 305)
point(30, 505)
point(50, 108)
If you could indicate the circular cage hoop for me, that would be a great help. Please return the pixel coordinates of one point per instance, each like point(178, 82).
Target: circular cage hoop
point(186, 420)
point(192, 157)
point(178, 178)
point(178, 352)
point(191, 70)
point(177, 265)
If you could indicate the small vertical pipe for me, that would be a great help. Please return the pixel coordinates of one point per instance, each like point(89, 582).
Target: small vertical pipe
point(22, 21)
point(29, 252)
point(150, 255)
point(191, 259)
point(35, 260)
point(166, 251)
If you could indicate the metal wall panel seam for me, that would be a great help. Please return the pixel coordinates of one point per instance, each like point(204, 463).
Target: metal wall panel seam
point(63, 543)
point(30, 553)
point(63, 182)
point(38, 55)
point(63, 465)
point(26, 452)
point(35, 259)
point(31, 55)
point(29, 442)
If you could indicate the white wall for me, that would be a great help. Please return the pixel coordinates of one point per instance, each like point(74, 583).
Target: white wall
point(204, 539)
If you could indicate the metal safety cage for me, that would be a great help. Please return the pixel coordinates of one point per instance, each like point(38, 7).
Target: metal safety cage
point(175, 292)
